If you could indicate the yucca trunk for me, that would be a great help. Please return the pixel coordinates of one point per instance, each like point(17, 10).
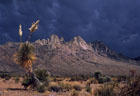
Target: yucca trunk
point(33, 76)
point(37, 81)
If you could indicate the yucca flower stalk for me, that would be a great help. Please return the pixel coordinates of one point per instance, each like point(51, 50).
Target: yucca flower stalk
point(33, 28)
point(20, 32)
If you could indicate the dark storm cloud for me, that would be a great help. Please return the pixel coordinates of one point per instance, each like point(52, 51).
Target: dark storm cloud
point(115, 22)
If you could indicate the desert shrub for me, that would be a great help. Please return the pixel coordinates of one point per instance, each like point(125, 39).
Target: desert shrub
point(88, 89)
point(101, 80)
point(77, 87)
point(6, 76)
point(55, 88)
point(65, 87)
point(75, 93)
point(28, 81)
point(108, 79)
point(79, 78)
point(106, 90)
point(122, 78)
point(43, 75)
point(41, 89)
point(97, 75)
point(131, 88)
point(75, 78)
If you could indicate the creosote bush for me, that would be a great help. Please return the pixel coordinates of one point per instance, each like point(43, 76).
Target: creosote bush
point(5, 76)
point(108, 79)
point(101, 80)
point(28, 81)
point(97, 75)
point(41, 88)
point(55, 88)
point(77, 87)
point(43, 75)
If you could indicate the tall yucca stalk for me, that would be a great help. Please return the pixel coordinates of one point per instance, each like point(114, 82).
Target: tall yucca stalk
point(32, 29)
point(20, 32)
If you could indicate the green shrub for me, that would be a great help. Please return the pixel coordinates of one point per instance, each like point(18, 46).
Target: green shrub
point(5, 75)
point(41, 89)
point(108, 79)
point(97, 75)
point(122, 78)
point(55, 88)
point(101, 80)
point(43, 75)
point(77, 87)
point(28, 81)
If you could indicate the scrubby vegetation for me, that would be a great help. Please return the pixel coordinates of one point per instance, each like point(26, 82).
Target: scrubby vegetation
point(131, 87)
point(103, 86)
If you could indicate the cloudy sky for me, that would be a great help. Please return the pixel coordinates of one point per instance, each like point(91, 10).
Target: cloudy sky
point(115, 22)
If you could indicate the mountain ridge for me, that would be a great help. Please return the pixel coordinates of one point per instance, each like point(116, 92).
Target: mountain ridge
point(74, 57)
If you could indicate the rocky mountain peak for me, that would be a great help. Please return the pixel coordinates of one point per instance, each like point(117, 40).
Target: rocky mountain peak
point(104, 50)
point(54, 41)
point(80, 42)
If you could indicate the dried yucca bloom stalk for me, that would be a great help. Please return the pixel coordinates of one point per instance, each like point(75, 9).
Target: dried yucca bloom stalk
point(20, 30)
point(34, 26)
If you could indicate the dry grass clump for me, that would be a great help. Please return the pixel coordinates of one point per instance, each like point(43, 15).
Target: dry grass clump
point(88, 89)
point(75, 93)
point(91, 81)
point(106, 90)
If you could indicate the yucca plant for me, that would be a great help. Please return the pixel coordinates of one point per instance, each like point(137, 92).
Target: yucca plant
point(25, 55)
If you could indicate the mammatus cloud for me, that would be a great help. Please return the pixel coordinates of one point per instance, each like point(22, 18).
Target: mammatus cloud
point(115, 22)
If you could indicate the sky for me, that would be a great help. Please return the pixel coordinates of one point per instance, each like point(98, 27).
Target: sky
point(114, 22)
